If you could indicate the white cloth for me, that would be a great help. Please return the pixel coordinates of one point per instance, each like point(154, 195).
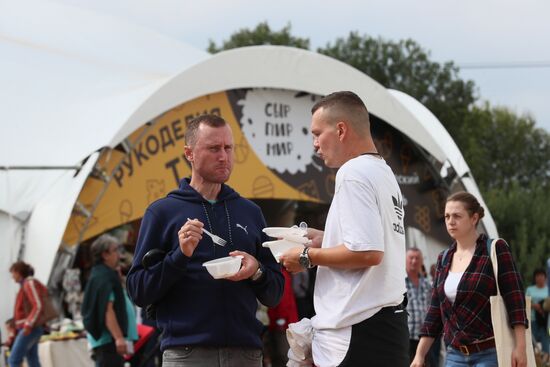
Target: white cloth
point(366, 214)
point(329, 349)
point(330, 346)
point(73, 352)
point(451, 285)
point(299, 336)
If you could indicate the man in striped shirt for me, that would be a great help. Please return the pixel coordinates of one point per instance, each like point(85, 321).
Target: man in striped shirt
point(419, 291)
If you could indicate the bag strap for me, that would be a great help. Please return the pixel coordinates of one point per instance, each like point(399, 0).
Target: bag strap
point(492, 251)
point(444, 258)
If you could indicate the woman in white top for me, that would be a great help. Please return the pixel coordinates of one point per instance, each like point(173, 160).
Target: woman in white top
point(463, 283)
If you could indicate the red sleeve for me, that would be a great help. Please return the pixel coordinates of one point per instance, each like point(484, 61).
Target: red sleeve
point(32, 293)
point(286, 311)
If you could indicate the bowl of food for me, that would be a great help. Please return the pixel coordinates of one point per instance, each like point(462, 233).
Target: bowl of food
point(279, 247)
point(286, 232)
point(223, 267)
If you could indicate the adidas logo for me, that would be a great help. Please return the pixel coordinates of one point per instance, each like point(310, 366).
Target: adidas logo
point(398, 206)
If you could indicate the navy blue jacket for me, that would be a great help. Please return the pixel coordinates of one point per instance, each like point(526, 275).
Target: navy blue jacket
point(192, 307)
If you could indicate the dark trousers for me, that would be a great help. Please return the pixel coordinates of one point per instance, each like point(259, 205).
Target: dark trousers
point(106, 356)
point(382, 340)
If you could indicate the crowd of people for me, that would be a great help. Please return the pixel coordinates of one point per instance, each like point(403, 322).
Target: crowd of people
point(374, 305)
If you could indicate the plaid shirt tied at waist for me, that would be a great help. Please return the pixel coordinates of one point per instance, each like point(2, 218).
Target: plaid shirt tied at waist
point(468, 319)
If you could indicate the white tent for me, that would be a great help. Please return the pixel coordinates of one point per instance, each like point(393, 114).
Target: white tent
point(90, 80)
point(69, 79)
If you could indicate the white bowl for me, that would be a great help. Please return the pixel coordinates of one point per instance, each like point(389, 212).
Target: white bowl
point(279, 247)
point(282, 232)
point(224, 267)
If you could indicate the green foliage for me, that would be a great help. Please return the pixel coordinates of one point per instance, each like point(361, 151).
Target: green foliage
point(510, 159)
point(522, 215)
point(504, 149)
point(261, 35)
point(405, 66)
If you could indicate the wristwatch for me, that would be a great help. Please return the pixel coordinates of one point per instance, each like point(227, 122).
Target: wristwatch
point(258, 274)
point(304, 259)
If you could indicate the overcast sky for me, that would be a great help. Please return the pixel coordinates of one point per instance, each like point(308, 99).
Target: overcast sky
point(487, 32)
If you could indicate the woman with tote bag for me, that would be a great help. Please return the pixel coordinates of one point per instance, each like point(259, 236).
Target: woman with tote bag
point(463, 285)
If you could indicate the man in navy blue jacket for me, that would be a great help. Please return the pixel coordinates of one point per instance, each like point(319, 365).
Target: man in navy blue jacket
point(206, 321)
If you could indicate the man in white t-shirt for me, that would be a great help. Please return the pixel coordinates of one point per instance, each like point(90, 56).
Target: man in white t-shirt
point(360, 257)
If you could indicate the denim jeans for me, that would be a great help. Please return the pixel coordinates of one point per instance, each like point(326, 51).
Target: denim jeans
point(26, 346)
point(540, 334)
point(485, 358)
point(191, 356)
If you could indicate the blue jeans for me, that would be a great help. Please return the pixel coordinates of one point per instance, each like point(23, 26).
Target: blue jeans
point(26, 346)
point(540, 334)
point(212, 357)
point(485, 358)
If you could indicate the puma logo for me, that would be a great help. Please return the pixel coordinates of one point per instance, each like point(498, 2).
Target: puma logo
point(243, 228)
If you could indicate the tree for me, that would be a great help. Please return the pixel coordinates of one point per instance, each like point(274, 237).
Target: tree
point(500, 147)
point(510, 160)
point(405, 66)
point(504, 149)
point(261, 35)
point(522, 216)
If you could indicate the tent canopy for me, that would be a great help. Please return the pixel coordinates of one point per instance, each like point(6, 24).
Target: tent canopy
point(69, 78)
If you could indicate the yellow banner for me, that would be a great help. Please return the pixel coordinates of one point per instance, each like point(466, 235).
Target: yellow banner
point(155, 164)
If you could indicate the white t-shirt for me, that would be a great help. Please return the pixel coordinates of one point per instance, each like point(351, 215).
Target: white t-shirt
point(366, 213)
point(451, 285)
